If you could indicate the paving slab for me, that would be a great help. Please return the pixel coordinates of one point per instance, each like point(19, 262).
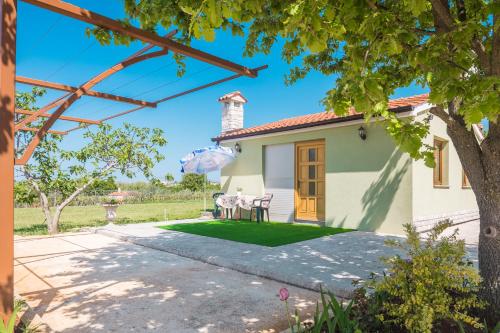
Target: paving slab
point(87, 282)
point(468, 231)
point(331, 262)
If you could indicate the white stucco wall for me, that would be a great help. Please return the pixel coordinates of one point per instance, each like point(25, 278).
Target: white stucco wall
point(430, 201)
point(368, 183)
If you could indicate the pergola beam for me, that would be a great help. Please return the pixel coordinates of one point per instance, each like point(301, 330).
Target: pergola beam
point(93, 93)
point(33, 129)
point(74, 119)
point(88, 16)
point(229, 78)
point(135, 58)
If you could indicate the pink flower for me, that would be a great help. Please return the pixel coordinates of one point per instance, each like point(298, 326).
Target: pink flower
point(283, 294)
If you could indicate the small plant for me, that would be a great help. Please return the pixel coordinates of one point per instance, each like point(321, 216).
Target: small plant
point(434, 286)
point(111, 202)
point(10, 325)
point(332, 317)
point(239, 189)
point(294, 325)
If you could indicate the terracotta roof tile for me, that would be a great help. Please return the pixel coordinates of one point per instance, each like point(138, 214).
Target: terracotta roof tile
point(315, 119)
point(232, 95)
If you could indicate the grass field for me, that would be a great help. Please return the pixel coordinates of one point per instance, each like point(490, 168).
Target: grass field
point(31, 221)
point(264, 233)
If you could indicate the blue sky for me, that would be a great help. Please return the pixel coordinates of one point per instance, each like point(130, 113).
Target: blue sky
point(54, 48)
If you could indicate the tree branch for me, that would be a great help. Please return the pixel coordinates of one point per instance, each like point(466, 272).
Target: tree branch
point(439, 112)
point(44, 201)
point(461, 12)
point(482, 55)
point(495, 52)
point(470, 153)
point(82, 188)
point(442, 16)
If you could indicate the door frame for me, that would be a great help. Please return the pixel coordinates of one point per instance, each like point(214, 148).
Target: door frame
point(320, 218)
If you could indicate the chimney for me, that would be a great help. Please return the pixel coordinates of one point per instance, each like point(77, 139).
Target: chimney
point(232, 111)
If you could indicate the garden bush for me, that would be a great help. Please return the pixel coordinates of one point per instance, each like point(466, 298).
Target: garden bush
point(432, 287)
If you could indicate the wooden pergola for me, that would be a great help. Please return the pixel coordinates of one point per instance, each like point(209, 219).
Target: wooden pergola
point(8, 125)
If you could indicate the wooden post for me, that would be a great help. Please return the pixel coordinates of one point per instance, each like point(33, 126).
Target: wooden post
point(8, 12)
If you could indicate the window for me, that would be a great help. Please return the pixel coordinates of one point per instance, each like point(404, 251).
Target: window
point(312, 172)
point(312, 188)
point(465, 180)
point(312, 154)
point(237, 104)
point(441, 159)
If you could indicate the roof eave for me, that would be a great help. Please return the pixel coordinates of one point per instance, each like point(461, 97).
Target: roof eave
point(400, 109)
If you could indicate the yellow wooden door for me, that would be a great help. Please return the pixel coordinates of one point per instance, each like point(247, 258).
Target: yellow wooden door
point(310, 181)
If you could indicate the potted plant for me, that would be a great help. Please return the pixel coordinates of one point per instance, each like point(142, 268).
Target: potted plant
point(111, 206)
point(238, 191)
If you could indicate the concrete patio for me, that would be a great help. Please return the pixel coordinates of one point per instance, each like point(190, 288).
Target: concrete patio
point(138, 277)
point(85, 282)
point(332, 262)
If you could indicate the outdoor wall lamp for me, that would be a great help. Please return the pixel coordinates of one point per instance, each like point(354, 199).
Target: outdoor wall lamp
point(362, 133)
point(237, 147)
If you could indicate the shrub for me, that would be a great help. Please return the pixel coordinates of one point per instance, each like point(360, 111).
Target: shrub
point(433, 286)
point(24, 193)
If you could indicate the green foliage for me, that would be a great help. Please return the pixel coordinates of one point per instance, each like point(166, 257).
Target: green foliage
point(10, 325)
point(102, 186)
point(431, 289)
point(169, 178)
point(67, 173)
point(333, 316)
point(433, 285)
point(108, 201)
point(26, 100)
point(141, 186)
point(30, 221)
point(372, 48)
point(193, 182)
point(24, 193)
point(126, 150)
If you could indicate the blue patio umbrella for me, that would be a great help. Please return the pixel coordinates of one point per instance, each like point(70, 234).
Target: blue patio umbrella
point(204, 160)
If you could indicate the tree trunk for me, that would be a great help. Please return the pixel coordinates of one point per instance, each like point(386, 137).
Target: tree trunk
point(49, 218)
point(53, 224)
point(481, 163)
point(489, 253)
point(53, 220)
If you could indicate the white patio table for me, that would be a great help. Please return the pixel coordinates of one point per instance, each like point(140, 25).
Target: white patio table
point(228, 201)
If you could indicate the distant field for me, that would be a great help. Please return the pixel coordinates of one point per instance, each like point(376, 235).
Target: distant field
point(31, 221)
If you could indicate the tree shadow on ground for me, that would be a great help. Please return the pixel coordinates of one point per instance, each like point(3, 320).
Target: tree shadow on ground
point(121, 287)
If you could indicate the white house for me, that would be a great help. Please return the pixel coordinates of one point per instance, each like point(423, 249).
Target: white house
point(343, 172)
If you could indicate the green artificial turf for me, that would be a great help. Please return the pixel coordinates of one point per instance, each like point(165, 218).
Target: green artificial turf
point(264, 233)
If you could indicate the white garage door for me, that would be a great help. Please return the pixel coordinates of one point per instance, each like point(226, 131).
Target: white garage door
point(279, 179)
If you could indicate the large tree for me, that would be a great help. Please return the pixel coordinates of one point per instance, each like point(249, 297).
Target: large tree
point(106, 151)
point(374, 47)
